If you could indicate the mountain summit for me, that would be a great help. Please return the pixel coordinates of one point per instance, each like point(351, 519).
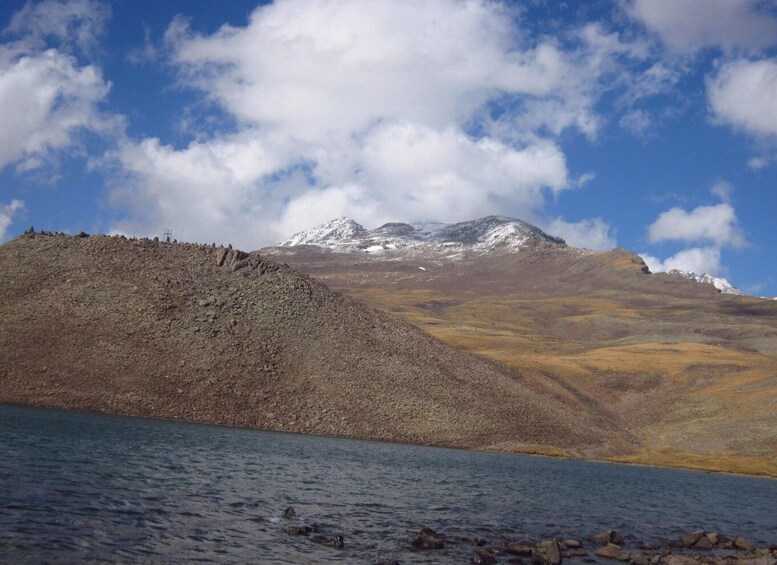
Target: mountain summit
point(483, 235)
point(718, 282)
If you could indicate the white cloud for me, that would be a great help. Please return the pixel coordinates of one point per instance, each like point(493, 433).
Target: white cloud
point(742, 94)
point(637, 122)
point(595, 234)
point(689, 25)
point(208, 190)
point(47, 96)
point(309, 68)
point(716, 223)
point(74, 23)
point(698, 260)
point(231, 189)
point(757, 163)
point(722, 189)
point(7, 212)
point(366, 108)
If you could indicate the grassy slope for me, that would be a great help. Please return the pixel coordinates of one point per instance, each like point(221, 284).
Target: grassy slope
point(690, 372)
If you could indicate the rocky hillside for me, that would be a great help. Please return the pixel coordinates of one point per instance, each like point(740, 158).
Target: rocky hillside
point(210, 334)
point(689, 371)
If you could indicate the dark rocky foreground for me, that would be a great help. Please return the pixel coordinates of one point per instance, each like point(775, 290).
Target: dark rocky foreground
point(693, 548)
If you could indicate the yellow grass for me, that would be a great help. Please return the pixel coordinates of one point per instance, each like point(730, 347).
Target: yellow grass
point(722, 463)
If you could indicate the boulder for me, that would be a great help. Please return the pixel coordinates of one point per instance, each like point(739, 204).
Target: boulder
point(612, 551)
point(607, 536)
point(743, 544)
point(714, 537)
point(519, 549)
point(703, 543)
point(639, 559)
point(572, 544)
point(689, 539)
point(483, 557)
point(289, 512)
point(549, 552)
point(428, 539)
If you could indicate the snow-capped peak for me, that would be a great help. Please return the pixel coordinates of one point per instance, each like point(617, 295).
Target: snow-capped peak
point(718, 282)
point(328, 234)
point(482, 235)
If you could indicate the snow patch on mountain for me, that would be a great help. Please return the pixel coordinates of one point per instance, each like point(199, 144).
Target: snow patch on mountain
point(483, 235)
point(718, 282)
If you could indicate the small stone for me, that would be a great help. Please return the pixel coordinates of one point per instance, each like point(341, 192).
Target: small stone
point(674, 559)
point(428, 539)
point(608, 536)
point(519, 549)
point(549, 551)
point(691, 538)
point(611, 551)
point(480, 542)
point(483, 557)
point(743, 544)
point(757, 561)
point(572, 544)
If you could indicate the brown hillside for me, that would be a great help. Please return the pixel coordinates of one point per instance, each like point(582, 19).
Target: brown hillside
point(211, 335)
point(690, 372)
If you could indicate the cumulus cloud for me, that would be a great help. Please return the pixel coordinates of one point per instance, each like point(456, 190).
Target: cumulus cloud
point(7, 212)
point(717, 224)
point(742, 94)
point(698, 260)
point(376, 109)
point(689, 25)
point(47, 96)
point(243, 190)
point(595, 234)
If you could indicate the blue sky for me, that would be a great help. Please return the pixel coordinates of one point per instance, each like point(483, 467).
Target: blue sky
point(644, 124)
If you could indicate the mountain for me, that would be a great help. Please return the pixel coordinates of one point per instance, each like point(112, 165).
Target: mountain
point(718, 282)
point(449, 240)
point(206, 334)
point(685, 370)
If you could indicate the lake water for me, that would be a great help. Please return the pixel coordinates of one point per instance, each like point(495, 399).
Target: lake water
point(78, 487)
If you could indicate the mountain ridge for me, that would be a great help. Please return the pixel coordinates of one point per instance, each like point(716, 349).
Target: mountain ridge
point(452, 241)
point(482, 235)
point(686, 368)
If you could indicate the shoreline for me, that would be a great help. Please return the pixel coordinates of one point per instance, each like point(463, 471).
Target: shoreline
point(534, 450)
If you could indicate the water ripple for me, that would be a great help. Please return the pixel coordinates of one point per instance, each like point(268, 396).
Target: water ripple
point(79, 487)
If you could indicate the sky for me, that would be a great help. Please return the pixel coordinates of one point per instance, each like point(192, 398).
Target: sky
point(644, 124)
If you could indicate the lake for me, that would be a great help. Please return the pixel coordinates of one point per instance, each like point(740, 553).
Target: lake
point(78, 487)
